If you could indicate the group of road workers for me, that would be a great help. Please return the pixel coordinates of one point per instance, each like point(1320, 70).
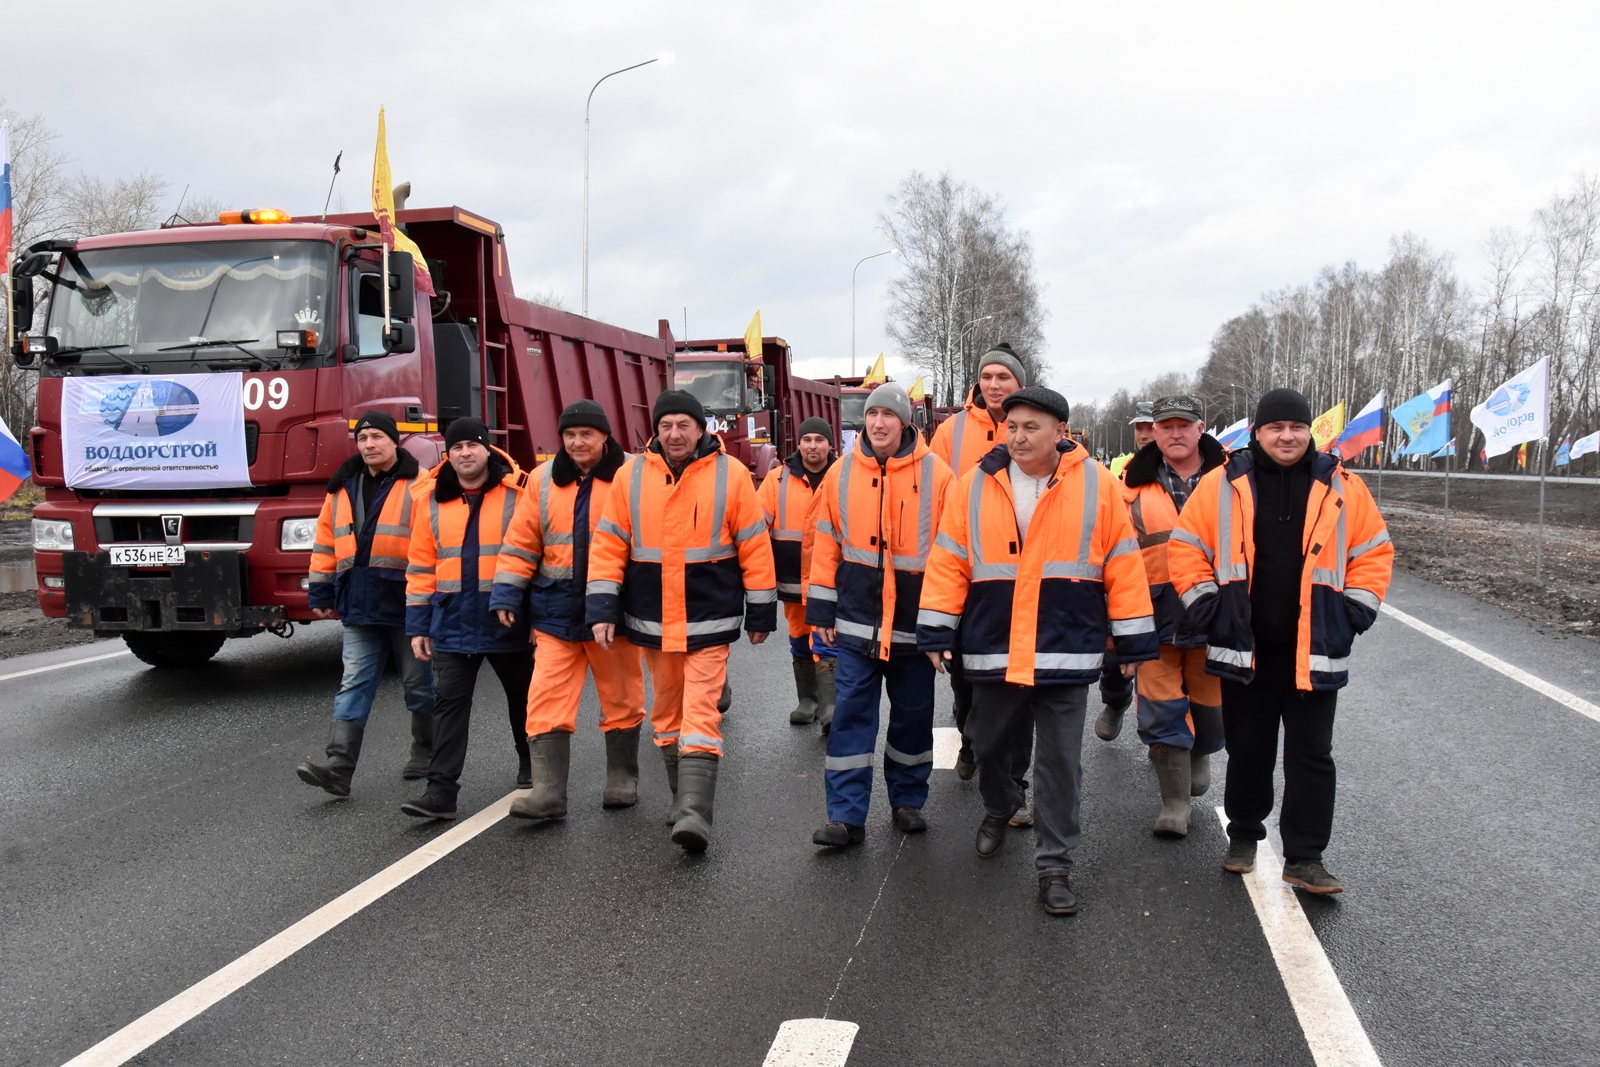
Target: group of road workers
point(1224, 589)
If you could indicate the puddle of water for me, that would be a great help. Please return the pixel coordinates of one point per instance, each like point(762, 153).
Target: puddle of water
point(18, 578)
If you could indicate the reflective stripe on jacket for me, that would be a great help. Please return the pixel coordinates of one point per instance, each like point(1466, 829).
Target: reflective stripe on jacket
point(550, 565)
point(1154, 514)
point(967, 436)
point(875, 523)
point(1348, 562)
point(786, 498)
point(678, 563)
point(1037, 611)
point(359, 568)
point(440, 602)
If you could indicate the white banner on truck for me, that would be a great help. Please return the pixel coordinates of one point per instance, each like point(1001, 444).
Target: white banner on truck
point(180, 431)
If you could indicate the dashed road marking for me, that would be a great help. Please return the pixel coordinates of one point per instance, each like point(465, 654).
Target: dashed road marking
point(1538, 685)
point(156, 1024)
point(946, 743)
point(811, 1043)
point(62, 666)
point(1331, 1027)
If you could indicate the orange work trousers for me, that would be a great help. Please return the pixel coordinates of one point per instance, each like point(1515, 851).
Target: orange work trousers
point(1179, 703)
point(558, 670)
point(795, 615)
point(688, 686)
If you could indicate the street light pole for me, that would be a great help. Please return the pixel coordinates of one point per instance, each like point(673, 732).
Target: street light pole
point(586, 104)
point(863, 259)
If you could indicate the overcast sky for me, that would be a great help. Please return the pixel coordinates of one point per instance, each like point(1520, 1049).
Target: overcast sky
point(1170, 163)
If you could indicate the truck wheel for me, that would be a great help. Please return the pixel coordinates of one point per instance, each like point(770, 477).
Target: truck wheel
point(174, 649)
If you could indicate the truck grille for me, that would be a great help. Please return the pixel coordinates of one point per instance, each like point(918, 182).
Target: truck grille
point(133, 529)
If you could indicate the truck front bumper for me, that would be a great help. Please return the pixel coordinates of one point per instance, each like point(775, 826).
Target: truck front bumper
point(206, 593)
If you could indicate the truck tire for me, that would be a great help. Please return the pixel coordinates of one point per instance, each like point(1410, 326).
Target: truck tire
point(174, 649)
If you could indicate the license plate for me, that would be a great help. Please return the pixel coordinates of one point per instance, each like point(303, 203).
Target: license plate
point(146, 555)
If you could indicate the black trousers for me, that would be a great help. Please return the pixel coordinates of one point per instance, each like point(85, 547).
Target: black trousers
point(1021, 752)
point(455, 676)
point(1115, 690)
point(1250, 717)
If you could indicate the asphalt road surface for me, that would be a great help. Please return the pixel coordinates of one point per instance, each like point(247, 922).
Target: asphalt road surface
point(153, 832)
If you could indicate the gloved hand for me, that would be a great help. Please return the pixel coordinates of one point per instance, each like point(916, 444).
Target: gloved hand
point(1361, 617)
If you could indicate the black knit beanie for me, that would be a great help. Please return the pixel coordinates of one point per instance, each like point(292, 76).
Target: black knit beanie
point(466, 430)
point(381, 421)
point(584, 412)
point(817, 425)
point(677, 402)
point(1283, 405)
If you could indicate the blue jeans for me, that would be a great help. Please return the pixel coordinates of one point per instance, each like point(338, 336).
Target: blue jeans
point(908, 753)
point(366, 650)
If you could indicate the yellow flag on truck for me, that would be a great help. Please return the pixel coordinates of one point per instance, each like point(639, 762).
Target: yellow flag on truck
point(752, 338)
point(1326, 428)
point(918, 391)
point(383, 211)
point(876, 375)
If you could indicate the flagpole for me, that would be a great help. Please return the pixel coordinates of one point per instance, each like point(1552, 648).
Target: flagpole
point(1538, 552)
point(1447, 453)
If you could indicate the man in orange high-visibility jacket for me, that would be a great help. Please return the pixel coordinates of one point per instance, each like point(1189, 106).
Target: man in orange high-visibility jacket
point(1281, 558)
point(1180, 705)
point(679, 561)
point(358, 573)
point(786, 497)
point(458, 530)
point(875, 518)
point(545, 563)
point(1036, 566)
point(961, 441)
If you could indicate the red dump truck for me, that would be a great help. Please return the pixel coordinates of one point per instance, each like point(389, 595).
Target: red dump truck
point(758, 404)
point(198, 385)
point(853, 406)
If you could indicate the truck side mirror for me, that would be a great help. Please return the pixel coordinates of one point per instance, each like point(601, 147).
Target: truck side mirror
point(402, 286)
point(769, 387)
point(402, 337)
point(22, 316)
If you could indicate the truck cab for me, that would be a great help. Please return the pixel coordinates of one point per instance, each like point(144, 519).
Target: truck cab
point(755, 406)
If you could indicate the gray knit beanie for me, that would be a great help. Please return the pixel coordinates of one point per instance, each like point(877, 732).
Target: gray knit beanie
point(1002, 354)
point(891, 396)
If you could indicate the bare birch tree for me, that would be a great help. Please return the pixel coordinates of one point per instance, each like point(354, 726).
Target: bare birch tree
point(967, 283)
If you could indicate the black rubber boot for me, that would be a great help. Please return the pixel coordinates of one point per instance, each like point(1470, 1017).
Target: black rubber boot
point(1172, 771)
point(550, 755)
point(344, 749)
point(725, 701)
point(421, 747)
point(827, 693)
point(805, 686)
point(697, 789)
point(669, 757)
point(622, 769)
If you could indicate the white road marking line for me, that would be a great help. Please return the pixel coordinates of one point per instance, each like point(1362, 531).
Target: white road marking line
point(811, 1043)
point(158, 1023)
point(946, 744)
point(1333, 1032)
point(60, 666)
point(1538, 685)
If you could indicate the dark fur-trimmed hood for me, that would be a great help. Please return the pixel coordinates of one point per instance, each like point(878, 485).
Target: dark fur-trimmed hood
point(447, 486)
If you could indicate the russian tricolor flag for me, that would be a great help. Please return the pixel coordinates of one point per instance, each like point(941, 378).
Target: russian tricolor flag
point(1363, 431)
point(1235, 436)
point(14, 468)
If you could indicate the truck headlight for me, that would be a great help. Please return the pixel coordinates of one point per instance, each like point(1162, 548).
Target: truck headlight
point(298, 535)
point(52, 535)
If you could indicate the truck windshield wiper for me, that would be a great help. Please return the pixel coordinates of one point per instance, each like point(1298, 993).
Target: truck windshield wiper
point(80, 349)
point(239, 344)
point(253, 362)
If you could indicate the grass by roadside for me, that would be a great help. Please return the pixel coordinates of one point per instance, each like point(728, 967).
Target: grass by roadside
point(21, 503)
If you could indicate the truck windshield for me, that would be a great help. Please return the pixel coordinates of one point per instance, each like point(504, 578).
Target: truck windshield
point(719, 385)
point(191, 302)
point(853, 410)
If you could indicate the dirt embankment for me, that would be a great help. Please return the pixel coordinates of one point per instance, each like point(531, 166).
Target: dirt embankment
point(1487, 549)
